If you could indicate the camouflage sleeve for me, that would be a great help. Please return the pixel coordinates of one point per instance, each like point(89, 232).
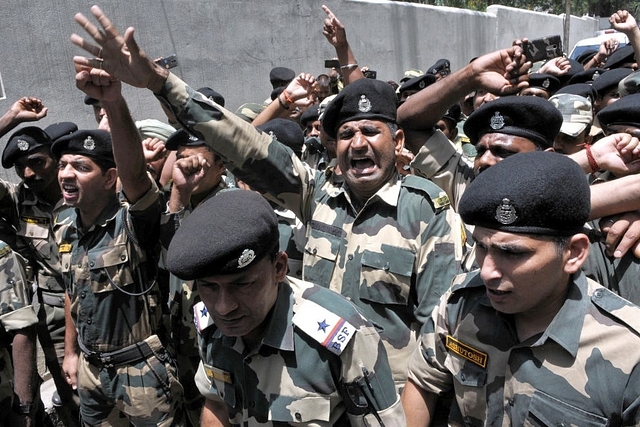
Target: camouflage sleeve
point(427, 364)
point(144, 217)
point(439, 161)
point(440, 259)
point(266, 165)
point(365, 366)
point(16, 311)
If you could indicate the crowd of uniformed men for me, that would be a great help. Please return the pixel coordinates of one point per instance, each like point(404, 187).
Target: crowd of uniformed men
point(458, 248)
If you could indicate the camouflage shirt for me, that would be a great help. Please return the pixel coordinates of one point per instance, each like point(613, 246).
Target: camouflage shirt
point(33, 219)
point(305, 368)
point(16, 312)
point(110, 274)
point(393, 258)
point(439, 161)
point(584, 370)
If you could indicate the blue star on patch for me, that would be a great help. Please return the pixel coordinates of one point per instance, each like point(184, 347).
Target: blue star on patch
point(204, 312)
point(322, 326)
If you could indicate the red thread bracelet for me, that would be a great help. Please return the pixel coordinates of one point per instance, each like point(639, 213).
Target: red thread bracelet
point(287, 97)
point(592, 161)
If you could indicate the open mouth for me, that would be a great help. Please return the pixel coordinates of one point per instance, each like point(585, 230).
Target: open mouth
point(362, 164)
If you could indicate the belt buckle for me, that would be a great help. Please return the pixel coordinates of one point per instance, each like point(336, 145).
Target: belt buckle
point(106, 361)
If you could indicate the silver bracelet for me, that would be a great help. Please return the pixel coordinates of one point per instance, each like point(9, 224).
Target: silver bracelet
point(348, 66)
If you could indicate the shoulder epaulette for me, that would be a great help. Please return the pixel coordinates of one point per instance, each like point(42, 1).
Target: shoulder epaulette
point(5, 249)
point(437, 195)
point(325, 327)
point(618, 307)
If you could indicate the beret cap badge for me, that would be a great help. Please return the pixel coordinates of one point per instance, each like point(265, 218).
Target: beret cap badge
point(546, 83)
point(497, 121)
point(23, 145)
point(364, 105)
point(89, 144)
point(506, 212)
point(246, 257)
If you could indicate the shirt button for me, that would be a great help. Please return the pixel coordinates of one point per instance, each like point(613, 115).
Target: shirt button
point(510, 401)
point(89, 321)
point(31, 233)
point(598, 293)
point(298, 416)
point(315, 251)
point(463, 377)
point(386, 267)
point(560, 424)
point(123, 257)
point(83, 294)
point(350, 257)
point(91, 264)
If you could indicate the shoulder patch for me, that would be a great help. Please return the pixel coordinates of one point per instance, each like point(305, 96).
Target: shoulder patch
point(437, 195)
point(201, 317)
point(327, 328)
point(35, 220)
point(214, 373)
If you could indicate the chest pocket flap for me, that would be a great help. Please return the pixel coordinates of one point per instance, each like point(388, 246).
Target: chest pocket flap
point(387, 273)
point(304, 410)
point(112, 261)
point(34, 230)
point(546, 410)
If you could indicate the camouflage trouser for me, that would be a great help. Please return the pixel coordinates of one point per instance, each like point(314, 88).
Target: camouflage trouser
point(144, 393)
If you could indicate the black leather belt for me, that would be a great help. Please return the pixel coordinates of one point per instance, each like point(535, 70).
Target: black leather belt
point(131, 354)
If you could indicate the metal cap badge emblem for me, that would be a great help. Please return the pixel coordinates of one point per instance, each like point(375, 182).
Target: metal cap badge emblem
point(497, 121)
point(246, 257)
point(546, 83)
point(89, 144)
point(506, 212)
point(364, 105)
point(23, 145)
point(596, 75)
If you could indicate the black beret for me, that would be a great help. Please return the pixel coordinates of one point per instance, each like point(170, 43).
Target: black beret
point(621, 56)
point(625, 111)
point(285, 131)
point(311, 114)
point(610, 79)
point(281, 75)
point(453, 114)
point(224, 235)
point(212, 95)
point(417, 83)
point(440, 66)
point(587, 76)
point(89, 100)
point(630, 84)
point(586, 56)
point(544, 81)
point(537, 192)
point(575, 68)
point(362, 99)
point(182, 138)
point(582, 89)
point(23, 142)
point(95, 143)
point(530, 117)
point(276, 92)
point(60, 129)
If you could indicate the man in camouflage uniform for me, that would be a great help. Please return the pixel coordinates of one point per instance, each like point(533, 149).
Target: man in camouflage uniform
point(528, 339)
point(275, 350)
point(113, 352)
point(196, 177)
point(30, 207)
point(388, 244)
point(18, 380)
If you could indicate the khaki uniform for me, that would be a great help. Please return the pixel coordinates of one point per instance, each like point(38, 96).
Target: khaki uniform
point(393, 258)
point(584, 370)
point(309, 369)
point(33, 219)
point(124, 368)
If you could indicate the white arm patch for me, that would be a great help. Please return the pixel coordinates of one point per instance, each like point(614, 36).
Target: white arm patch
point(201, 316)
point(329, 329)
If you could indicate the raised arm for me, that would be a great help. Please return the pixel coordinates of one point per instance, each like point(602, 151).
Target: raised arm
point(624, 22)
point(501, 72)
point(336, 35)
point(26, 109)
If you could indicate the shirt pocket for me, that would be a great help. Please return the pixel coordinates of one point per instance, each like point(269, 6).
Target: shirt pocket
point(294, 409)
point(386, 275)
point(469, 381)
point(321, 252)
point(545, 410)
point(109, 268)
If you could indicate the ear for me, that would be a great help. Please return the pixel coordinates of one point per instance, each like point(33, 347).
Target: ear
point(576, 252)
point(399, 141)
point(454, 133)
point(281, 264)
point(111, 177)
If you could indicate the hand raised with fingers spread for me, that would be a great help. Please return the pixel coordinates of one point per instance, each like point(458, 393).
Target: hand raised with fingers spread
point(117, 55)
point(502, 72)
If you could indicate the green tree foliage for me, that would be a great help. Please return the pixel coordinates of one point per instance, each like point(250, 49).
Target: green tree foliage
point(578, 7)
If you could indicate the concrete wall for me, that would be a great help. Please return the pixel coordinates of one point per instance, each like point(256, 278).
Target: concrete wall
point(230, 45)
